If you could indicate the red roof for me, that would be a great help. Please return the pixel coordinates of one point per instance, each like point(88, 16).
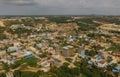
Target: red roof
point(102, 61)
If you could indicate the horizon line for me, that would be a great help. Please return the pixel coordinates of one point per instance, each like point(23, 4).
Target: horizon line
point(58, 15)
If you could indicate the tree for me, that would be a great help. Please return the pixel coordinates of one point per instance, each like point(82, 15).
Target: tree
point(2, 36)
point(17, 73)
point(6, 67)
point(2, 75)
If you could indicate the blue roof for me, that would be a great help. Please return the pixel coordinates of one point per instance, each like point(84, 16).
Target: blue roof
point(84, 56)
point(29, 56)
point(90, 63)
point(116, 69)
point(99, 58)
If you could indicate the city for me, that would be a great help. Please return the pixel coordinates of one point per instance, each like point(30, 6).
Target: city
point(53, 46)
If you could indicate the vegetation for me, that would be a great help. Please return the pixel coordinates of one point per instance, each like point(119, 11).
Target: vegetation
point(18, 73)
point(20, 31)
point(17, 64)
point(91, 71)
point(81, 70)
point(114, 48)
point(117, 32)
point(112, 20)
point(30, 62)
point(2, 29)
point(87, 24)
point(59, 19)
point(91, 53)
point(26, 22)
point(2, 36)
point(2, 75)
point(6, 67)
point(65, 71)
point(68, 59)
point(43, 55)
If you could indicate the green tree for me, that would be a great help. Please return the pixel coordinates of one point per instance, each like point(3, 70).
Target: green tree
point(17, 73)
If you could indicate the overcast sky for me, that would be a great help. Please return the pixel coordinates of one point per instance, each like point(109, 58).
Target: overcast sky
point(59, 7)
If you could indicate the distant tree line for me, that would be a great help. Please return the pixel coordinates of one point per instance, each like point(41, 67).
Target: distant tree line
point(112, 20)
point(26, 22)
point(59, 19)
point(86, 24)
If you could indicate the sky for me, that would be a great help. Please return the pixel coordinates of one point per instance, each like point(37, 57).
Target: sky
point(59, 7)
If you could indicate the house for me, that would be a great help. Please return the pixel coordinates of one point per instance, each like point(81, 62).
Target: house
point(55, 45)
point(90, 62)
point(55, 62)
point(51, 50)
point(71, 38)
point(9, 61)
point(84, 56)
point(44, 63)
point(39, 45)
point(102, 63)
point(116, 54)
point(99, 58)
point(29, 56)
point(14, 48)
point(9, 74)
point(1, 62)
point(67, 51)
point(81, 50)
point(55, 41)
point(32, 49)
point(2, 53)
point(116, 69)
point(19, 54)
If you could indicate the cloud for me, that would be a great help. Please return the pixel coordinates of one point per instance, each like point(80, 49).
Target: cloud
point(41, 7)
point(80, 3)
point(19, 2)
